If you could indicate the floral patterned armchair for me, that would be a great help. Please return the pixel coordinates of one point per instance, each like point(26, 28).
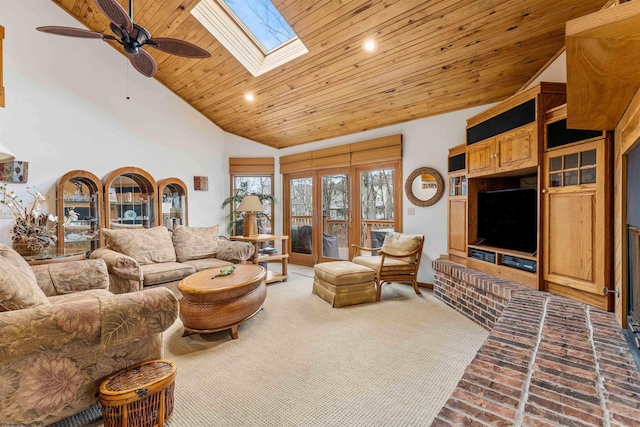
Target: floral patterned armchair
point(62, 332)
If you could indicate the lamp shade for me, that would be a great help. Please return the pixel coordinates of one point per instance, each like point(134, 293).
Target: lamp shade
point(5, 154)
point(250, 204)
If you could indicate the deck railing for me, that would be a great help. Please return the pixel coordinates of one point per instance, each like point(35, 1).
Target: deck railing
point(339, 228)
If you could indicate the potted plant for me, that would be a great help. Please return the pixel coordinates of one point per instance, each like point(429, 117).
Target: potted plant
point(235, 219)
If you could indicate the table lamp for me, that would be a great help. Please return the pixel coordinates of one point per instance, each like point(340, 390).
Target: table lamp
point(250, 205)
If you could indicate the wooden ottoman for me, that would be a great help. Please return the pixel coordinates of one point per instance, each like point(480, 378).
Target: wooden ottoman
point(343, 283)
point(141, 395)
point(215, 304)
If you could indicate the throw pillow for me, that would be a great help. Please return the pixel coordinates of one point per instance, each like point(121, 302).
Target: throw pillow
point(195, 242)
point(18, 286)
point(400, 244)
point(146, 245)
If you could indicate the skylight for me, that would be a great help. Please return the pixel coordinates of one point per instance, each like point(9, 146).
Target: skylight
point(252, 30)
point(263, 21)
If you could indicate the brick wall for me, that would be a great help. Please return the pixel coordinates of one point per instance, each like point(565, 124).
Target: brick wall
point(479, 296)
point(548, 361)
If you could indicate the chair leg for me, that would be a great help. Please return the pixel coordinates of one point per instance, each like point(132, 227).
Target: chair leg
point(378, 289)
point(415, 287)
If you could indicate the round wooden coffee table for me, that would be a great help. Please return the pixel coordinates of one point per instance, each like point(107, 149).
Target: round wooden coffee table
point(212, 305)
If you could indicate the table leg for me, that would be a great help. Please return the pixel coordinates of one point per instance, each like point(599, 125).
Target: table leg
point(234, 332)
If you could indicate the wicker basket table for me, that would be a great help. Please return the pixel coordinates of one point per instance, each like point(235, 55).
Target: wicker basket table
point(139, 396)
point(216, 304)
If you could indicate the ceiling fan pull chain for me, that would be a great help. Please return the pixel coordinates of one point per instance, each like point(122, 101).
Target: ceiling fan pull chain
point(131, 9)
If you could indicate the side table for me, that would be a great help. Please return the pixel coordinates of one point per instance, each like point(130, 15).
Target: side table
point(54, 255)
point(272, 276)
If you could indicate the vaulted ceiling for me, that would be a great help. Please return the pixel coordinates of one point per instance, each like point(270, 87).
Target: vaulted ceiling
point(434, 56)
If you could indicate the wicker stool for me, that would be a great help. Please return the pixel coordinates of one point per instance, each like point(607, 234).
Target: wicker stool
point(343, 283)
point(139, 396)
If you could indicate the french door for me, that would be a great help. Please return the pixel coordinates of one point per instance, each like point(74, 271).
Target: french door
point(327, 210)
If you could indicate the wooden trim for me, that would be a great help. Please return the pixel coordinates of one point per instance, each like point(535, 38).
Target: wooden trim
point(627, 137)
point(251, 166)
point(517, 99)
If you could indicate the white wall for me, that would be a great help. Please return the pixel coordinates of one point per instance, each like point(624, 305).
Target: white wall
point(425, 142)
point(66, 109)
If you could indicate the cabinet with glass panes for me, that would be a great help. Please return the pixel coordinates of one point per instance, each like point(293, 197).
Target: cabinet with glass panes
point(576, 210)
point(79, 210)
point(172, 203)
point(130, 198)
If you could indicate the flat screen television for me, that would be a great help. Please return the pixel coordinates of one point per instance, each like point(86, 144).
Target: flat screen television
point(508, 219)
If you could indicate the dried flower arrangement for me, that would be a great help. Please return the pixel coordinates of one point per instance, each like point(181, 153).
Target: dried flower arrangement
point(33, 230)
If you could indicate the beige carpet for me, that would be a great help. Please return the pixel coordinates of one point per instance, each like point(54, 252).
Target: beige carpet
point(302, 363)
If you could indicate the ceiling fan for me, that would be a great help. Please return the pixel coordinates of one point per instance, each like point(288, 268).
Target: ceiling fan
point(132, 37)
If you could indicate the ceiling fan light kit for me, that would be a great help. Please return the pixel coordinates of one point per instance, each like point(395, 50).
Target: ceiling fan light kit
point(132, 37)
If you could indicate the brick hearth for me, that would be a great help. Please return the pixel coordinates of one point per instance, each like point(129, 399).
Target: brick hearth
point(548, 361)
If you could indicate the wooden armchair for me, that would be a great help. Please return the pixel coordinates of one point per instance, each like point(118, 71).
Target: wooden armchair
point(398, 261)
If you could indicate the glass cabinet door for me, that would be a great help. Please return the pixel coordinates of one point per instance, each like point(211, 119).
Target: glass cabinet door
point(130, 199)
point(172, 203)
point(79, 210)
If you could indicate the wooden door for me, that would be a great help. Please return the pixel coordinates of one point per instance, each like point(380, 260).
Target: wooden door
point(481, 158)
point(517, 149)
point(576, 222)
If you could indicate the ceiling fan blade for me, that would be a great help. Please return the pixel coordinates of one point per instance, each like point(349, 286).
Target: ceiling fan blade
point(178, 47)
point(115, 13)
point(144, 63)
point(71, 32)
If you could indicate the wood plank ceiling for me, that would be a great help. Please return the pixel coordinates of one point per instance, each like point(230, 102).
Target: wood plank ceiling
point(434, 56)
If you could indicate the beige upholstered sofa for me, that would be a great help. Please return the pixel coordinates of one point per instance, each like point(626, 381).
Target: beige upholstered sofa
point(137, 258)
point(62, 332)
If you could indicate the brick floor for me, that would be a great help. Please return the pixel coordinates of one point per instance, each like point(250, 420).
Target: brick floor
point(548, 361)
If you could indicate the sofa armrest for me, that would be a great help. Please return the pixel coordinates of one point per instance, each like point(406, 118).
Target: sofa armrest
point(137, 315)
point(106, 321)
point(48, 328)
point(74, 276)
point(235, 252)
point(124, 272)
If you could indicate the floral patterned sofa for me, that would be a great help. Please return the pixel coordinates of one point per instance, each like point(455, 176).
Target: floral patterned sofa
point(138, 258)
point(62, 333)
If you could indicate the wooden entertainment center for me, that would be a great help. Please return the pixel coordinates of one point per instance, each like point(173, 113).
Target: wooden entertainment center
point(522, 143)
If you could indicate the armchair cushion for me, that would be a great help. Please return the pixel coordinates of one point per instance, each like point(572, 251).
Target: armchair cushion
point(72, 276)
point(195, 242)
point(147, 245)
point(394, 264)
point(18, 286)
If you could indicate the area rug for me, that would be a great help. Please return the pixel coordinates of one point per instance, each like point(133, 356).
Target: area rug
point(301, 362)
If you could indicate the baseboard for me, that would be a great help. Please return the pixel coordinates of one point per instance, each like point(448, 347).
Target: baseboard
point(425, 285)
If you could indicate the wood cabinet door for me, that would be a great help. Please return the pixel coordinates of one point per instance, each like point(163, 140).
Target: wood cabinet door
point(517, 149)
point(480, 158)
point(575, 223)
point(458, 227)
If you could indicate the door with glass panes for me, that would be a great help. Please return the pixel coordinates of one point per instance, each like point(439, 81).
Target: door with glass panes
point(327, 211)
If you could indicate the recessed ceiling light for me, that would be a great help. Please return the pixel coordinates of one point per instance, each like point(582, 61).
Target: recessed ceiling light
point(369, 45)
point(249, 97)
